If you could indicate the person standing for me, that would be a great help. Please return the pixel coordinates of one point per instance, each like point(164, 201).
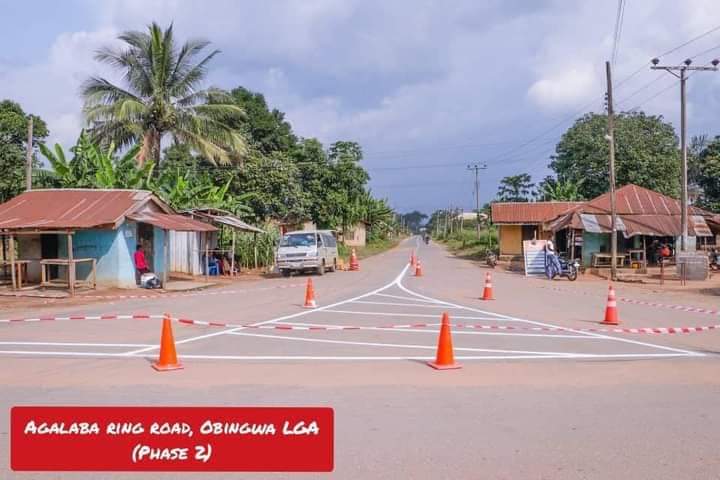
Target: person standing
point(140, 263)
point(552, 264)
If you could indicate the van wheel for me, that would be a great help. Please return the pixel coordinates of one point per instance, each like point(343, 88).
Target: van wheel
point(321, 268)
point(334, 265)
point(285, 273)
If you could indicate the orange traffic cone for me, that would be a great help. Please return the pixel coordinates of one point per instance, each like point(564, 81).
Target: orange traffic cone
point(488, 291)
point(611, 315)
point(418, 268)
point(445, 359)
point(354, 264)
point(309, 295)
point(412, 259)
point(167, 360)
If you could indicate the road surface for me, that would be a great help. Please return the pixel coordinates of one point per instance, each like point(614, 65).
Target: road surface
point(531, 401)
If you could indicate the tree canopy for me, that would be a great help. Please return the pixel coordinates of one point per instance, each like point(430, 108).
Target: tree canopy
point(163, 96)
point(646, 153)
point(516, 188)
point(13, 146)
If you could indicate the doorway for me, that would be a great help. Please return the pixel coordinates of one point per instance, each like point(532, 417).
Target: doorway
point(49, 248)
point(146, 238)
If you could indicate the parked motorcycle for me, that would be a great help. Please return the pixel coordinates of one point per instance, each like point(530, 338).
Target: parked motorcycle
point(568, 269)
point(490, 258)
point(713, 260)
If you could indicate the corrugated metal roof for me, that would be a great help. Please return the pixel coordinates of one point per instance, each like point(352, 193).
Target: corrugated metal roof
point(529, 212)
point(178, 223)
point(632, 199)
point(225, 218)
point(631, 225)
point(71, 208)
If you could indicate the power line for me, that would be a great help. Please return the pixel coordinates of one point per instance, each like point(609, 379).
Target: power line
point(618, 30)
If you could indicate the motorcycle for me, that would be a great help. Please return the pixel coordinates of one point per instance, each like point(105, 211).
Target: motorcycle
point(490, 258)
point(568, 269)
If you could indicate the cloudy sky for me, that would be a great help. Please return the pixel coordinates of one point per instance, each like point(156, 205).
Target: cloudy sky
point(425, 86)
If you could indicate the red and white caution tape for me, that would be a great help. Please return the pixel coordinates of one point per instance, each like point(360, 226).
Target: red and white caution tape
point(186, 321)
point(138, 316)
point(202, 293)
point(680, 308)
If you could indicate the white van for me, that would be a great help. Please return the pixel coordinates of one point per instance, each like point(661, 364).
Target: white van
point(307, 250)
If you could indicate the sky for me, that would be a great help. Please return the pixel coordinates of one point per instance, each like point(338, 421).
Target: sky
point(426, 87)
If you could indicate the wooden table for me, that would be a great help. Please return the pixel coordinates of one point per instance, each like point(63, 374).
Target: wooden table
point(71, 265)
point(637, 255)
point(20, 267)
point(605, 259)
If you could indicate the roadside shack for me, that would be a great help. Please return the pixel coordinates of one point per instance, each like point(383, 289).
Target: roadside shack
point(72, 238)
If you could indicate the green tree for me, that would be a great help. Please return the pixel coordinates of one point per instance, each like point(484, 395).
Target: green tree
point(414, 220)
point(266, 130)
point(515, 188)
point(550, 189)
point(646, 153)
point(13, 147)
point(162, 96)
point(348, 184)
point(707, 174)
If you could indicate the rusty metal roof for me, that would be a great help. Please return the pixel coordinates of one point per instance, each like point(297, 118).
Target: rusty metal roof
point(641, 212)
point(529, 212)
point(72, 208)
point(222, 217)
point(178, 223)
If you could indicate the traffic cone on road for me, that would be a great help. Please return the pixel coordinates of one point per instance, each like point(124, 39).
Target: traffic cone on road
point(309, 295)
point(445, 359)
point(611, 314)
point(412, 258)
point(354, 264)
point(488, 290)
point(167, 360)
point(418, 268)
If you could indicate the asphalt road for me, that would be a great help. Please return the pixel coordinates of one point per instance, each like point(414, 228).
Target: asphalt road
point(530, 401)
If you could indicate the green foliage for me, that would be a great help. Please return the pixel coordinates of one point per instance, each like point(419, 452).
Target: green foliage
point(266, 129)
point(95, 167)
point(646, 153)
point(413, 220)
point(708, 174)
point(515, 188)
point(13, 146)
point(550, 189)
point(162, 96)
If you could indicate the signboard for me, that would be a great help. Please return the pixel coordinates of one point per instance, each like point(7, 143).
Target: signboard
point(534, 253)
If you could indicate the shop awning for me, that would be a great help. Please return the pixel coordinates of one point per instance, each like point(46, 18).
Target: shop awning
point(632, 225)
point(178, 223)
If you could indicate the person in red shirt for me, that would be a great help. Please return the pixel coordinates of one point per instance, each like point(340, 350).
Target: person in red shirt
point(140, 262)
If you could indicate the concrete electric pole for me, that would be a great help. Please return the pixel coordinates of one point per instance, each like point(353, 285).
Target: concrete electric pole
point(682, 75)
point(477, 168)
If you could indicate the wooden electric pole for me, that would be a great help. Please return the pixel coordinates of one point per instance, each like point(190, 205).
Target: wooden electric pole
point(613, 207)
point(477, 169)
point(29, 156)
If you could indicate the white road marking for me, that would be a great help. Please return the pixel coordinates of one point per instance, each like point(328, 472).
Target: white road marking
point(455, 332)
point(280, 319)
point(416, 305)
point(599, 335)
point(394, 345)
point(403, 298)
point(73, 344)
point(423, 315)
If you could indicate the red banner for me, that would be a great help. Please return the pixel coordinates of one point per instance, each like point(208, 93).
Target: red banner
point(240, 439)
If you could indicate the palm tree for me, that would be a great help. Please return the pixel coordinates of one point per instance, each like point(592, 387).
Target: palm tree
point(162, 97)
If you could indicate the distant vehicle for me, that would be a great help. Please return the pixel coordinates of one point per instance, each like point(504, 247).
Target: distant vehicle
point(304, 251)
point(490, 258)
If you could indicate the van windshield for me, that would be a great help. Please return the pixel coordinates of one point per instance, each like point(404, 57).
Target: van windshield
point(298, 240)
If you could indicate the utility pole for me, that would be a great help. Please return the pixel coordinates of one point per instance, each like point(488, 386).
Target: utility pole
point(28, 156)
point(477, 167)
point(682, 75)
point(613, 208)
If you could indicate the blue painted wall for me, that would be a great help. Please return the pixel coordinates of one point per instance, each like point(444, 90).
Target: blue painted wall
point(113, 250)
point(158, 252)
point(592, 243)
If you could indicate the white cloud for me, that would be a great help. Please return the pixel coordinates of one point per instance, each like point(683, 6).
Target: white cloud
point(567, 88)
